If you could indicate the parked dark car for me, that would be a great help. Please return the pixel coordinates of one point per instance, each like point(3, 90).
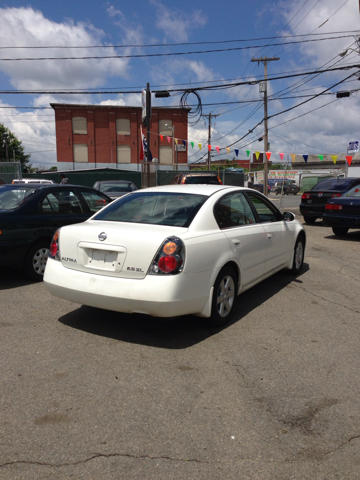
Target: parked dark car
point(115, 188)
point(260, 187)
point(343, 213)
point(196, 178)
point(313, 202)
point(29, 216)
point(288, 189)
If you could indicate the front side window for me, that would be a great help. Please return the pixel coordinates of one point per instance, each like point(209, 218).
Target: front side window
point(154, 208)
point(265, 210)
point(61, 203)
point(233, 210)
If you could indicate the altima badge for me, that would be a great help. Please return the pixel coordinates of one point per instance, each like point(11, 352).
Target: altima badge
point(102, 236)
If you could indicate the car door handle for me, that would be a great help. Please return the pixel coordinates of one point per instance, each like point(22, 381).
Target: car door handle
point(236, 241)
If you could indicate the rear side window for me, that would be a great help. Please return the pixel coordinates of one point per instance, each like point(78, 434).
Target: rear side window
point(94, 200)
point(233, 210)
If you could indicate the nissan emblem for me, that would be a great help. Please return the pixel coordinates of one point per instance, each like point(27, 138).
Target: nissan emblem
point(102, 236)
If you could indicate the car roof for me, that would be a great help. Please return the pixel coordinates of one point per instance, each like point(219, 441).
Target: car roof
point(197, 189)
point(113, 181)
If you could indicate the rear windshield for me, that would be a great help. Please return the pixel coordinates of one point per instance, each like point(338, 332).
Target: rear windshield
point(203, 179)
point(115, 187)
point(11, 198)
point(154, 208)
point(341, 184)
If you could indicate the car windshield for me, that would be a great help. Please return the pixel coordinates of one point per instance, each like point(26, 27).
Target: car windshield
point(354, 192)
point(333, 184)
point(116, 187)
point(11, 198)
point(154, 208)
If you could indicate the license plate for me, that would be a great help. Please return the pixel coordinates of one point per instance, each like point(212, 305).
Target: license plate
point(103, 259)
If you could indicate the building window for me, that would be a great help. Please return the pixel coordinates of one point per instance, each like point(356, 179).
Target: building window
point(79, 125)
point(123, 126)
point(165, 128)
point(165, 155)
point(123, 154)
point(80, 153)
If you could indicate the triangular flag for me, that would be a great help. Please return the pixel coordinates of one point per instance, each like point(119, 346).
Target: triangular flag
point(236, 152)
point(192, 144)
point(293, 156)
point(228, 150)
point(281, 155)
point(218, 149)
point(321, 157)
point(268, 155)
point(209, 147)
point(257, 155)
point(176, 141)
point(334, 158)
point(169, 138)
point(161, 137)
point(349, 159)
point(305, 157)
point(200, 145)
point(247, 152)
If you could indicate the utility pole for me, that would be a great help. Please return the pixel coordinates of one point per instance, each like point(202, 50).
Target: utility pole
point(209, 137)
point(266, 142)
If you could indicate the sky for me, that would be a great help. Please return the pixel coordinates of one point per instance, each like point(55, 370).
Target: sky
point(178, 46)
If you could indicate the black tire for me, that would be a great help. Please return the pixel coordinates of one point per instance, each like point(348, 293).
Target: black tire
point(340, 231)
point(225, 291)
point(299, 252)
point(36, 260)
point(310, 220)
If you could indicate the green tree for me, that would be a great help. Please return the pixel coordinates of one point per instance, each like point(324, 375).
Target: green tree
point(12, 149)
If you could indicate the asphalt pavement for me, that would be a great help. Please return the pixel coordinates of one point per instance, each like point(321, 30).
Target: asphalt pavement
point(94, 394)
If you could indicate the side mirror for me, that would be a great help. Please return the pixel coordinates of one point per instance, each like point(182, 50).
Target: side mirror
point(288, 216)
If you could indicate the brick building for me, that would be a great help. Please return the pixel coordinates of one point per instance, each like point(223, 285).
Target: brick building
point(92, 136)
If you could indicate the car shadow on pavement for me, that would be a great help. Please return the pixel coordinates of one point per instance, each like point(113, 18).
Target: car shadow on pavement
point(13, 279)
point(172, 333)
point(349, 237)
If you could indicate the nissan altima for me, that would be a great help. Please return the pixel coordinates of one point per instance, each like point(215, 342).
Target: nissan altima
point(174, 250)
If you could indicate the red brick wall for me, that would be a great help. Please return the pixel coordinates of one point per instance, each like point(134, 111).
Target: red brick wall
point(101, 137)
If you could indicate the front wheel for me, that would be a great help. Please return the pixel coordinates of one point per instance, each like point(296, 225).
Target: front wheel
point(36, 261)
point(310, 220)
point(223, 297)
point(340, 231)
point(299, 252)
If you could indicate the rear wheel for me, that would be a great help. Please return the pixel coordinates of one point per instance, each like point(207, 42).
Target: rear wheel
point(309, 220)
point(341, 231)
point(299, 252)
point(223, 297)
point(36, 260)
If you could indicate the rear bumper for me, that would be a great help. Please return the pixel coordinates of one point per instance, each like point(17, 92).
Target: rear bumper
point(341, 221)
point(160, 296)
point(312, 210)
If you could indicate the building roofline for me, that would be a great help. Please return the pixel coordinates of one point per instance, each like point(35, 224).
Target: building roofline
point(111, 107)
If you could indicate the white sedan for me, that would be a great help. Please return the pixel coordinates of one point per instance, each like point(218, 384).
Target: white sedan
point(174, 250)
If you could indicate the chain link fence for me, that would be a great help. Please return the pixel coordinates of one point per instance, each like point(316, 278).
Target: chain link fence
point(9, 171)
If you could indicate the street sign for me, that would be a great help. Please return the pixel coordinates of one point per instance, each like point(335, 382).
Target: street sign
point(353, 147)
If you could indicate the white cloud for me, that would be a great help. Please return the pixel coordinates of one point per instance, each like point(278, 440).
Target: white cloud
point(24, 26)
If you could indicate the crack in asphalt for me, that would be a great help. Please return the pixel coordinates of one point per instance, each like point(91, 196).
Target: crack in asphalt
point(325, 299)
point(355, 437)
point(103, 455)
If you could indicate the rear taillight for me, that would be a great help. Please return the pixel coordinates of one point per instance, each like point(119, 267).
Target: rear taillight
point(336, 195)
point(305, 196)
point(331, 206)
point(169, 259)
point(54, 246)
point(219, 180)
point(183, 180)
